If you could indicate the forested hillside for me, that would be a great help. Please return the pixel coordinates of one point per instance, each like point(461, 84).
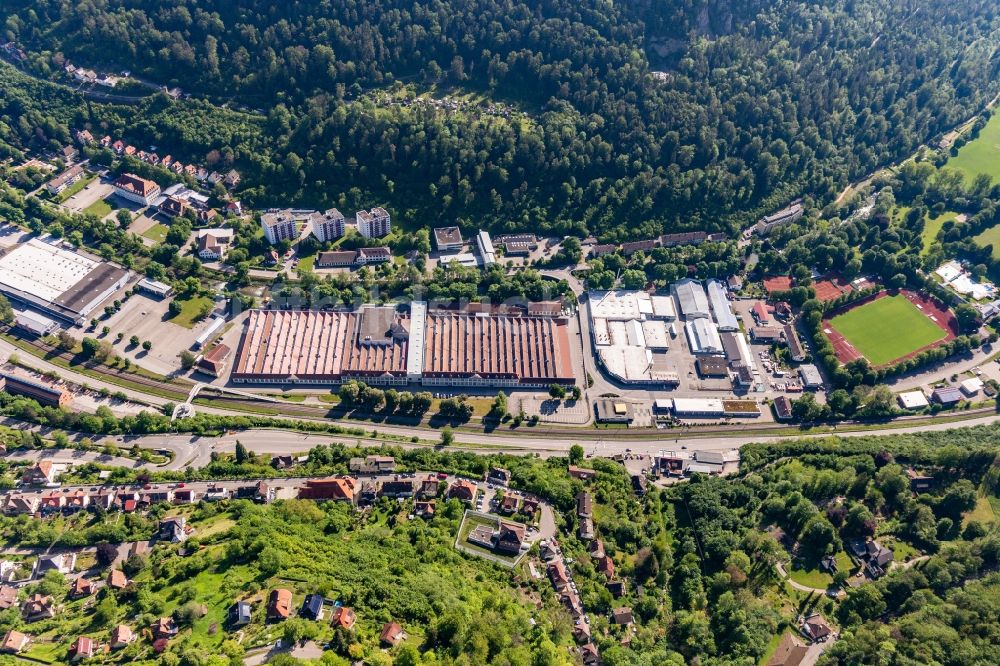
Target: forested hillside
point(759, 101)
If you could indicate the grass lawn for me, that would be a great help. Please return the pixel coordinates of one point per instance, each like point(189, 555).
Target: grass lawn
point(156, 233)
point(981, 155)
point(812, 577)
point(887, 329)
point(990, 237)
point(99, 208)
point(190, 309)
point(985, 511)
point(932, 227)
point(306, 264)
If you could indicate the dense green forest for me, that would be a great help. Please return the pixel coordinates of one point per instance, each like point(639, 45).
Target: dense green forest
point(757, 102)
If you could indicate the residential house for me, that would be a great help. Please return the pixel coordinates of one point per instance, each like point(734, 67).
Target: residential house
point(529, 506)
point(53, 502)
point(279, 605)
point(240, 614)
point(509, 538)
point(606, 566)
point(424, 509)
point(584, 505)
point(397, 487)
point(38, 607)
point(14, 642)
point(622, 616)
point(372, 465)
point(498, 476)
point(463, 489)
point(81, 587)
point(65, 179)
point(232, 179)
point(429, 486)
point(639, 484)
point(82, 648)
point(214, 243)
point(340, 489)
point(40, 474)
point(184, 496)
point(84, 137)
point(279, 226)
point(64, 563)
point(312, 607)
point(117, 580)
point(616, 588)
point(586, 531)
point(343, 616)
point(8, 597)
point(22, 504)
point(816, 628)
point(392, 634)
point(558, 576)
point(282, 462)
point(790, 651)
point(782, 408)
point(509, 504)
point(581, 473)
point(589, 655)
point(121, 637)
point(164, 628)
point(173, 529)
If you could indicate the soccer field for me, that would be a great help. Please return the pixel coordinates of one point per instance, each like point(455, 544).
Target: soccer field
point(887, 329)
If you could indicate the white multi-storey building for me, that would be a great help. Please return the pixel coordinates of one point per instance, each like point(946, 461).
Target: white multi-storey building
point(327, 226)
point(374, 223)
point(279, 226)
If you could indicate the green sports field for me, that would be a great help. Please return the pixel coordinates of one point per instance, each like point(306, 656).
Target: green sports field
point(981, 155)
point(887, 329)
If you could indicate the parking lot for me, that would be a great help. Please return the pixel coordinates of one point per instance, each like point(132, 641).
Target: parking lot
point(146, 318)
point(89, 195)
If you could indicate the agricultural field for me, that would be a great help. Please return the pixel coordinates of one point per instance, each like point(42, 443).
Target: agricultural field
point(887, 329)
point(981, 155)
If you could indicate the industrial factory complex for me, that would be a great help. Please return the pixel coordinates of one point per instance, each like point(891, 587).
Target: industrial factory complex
point(60, 283)
point(384, 345)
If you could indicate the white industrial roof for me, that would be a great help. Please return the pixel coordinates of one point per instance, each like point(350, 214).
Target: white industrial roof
point(703, 337)
point(810, 375)
point(691, 297)
point(463, 258)
point(663, 307)
point(619, 305)
point(627, 363)
point(971, 386)
point(698, 406)
point(655, 334)
point(720, 306)
point(418, 329)
point(43, 270)
point(913, 400)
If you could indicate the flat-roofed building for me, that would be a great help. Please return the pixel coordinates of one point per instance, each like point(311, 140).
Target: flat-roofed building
point(712, 366)
point(608, 410)
point(698, 407)
point(692, 299)
point(327, 226)
point(154, 288)
point(448, 239)
point(663, 307)
point(811, 378)
point(486, 250)
point(61, 283)
point(769, 223)
point(136, 189)
point(720, 306)
point(913, 400)
point(280, 225)
point(34, 323)
point(374, 223)
point(703, 337)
